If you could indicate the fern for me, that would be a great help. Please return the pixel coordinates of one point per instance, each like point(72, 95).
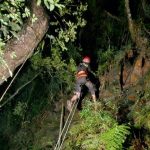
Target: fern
point(115, 137)
point(140, 116)
point(96, 130)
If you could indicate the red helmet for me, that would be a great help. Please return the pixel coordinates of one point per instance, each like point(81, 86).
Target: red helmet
point(86, 59)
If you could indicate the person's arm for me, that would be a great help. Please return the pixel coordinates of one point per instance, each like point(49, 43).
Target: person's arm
point(90, 71)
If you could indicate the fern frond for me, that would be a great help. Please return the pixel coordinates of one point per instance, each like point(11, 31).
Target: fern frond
point(115, 137)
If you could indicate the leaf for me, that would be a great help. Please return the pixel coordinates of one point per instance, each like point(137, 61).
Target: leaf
point(60, 6)
point(4, 78)
point(34, 18)
point(26, 13)
point(38, 2)
point(2, 44)
point(14, 26)
point(3, 22)
point(46, 4)
point(14, 34)
point(13, 55)
point(52, 6)
point(51, 1)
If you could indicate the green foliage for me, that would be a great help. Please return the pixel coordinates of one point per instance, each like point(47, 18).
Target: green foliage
point(20, 109)
point(140, 110)
point(141, 115)
point(97, 119)
point(12, 14)
point(1, 52)
point(11, 17)
point(146, 9)
point(96, 130)
point(2, 44)
point(22, 140)
point(66, 29)
point(64, 36)
point(51, 4)
point(16, 11)
point(61, 41)
point(20, 119)
point(105, 59)
point(93, 130)
point(60, 74)
point(115, 137)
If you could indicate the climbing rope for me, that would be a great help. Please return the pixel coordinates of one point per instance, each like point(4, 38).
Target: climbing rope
point(14, 78)
point(17, 91)
point(66, 126)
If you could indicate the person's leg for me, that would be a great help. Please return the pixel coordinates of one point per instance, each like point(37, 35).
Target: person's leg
point(92, 90)
point(72, 101)
point(94, 97)
point(75, 97)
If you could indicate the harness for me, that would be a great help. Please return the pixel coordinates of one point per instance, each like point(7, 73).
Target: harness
point(82, 71)
point(81, 74)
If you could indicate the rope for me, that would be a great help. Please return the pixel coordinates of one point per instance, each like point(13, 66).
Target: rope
point(18, 90)
point(65, 126)
point(14, 78)
point(61, 122)
point(68, 126)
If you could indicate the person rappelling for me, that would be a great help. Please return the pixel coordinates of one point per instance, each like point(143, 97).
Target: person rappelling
point(82, 78)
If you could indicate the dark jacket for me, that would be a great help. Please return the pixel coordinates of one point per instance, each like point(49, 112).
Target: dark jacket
point(83, 70)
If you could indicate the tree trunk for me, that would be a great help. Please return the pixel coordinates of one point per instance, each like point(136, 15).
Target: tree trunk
point(28, 39)
point(130, 21)
point(135, 31)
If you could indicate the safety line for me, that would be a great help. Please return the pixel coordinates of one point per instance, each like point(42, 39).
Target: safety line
point(64, 127)
point(18, 90)
point(61, 122)
point(66, 124)
point(14, 78)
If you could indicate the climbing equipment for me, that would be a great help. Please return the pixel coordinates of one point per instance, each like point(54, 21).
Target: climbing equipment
point(81, 74)
point(66, 127)
point(82, 70)
point(15, 76)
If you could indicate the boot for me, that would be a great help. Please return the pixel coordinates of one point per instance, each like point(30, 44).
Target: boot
point(94, 100)
point(71, 102)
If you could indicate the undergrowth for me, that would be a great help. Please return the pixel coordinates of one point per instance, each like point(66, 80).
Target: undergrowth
point(96, 130)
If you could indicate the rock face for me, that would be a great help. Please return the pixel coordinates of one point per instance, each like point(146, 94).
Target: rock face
point(132, 74)
point(128, 73)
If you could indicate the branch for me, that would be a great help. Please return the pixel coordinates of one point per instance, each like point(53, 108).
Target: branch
point(146, 30)
point(130, 21)
point(18, 90)
point(140, 40)
point(28, 39)
point(112, 16)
